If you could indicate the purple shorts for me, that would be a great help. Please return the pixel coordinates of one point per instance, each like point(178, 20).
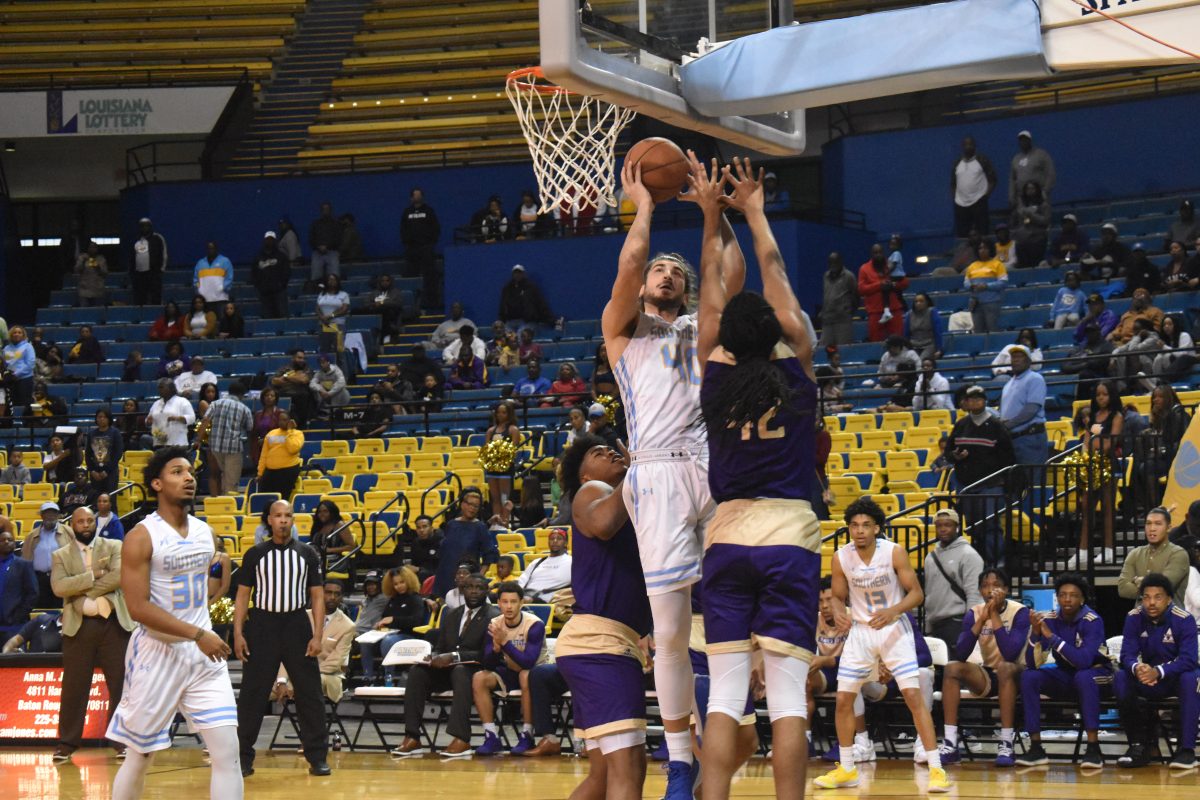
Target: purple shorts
point(768, 593)
point(607, 693)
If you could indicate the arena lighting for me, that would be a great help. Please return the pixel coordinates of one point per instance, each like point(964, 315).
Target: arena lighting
point(10, 147)
point(922, 259)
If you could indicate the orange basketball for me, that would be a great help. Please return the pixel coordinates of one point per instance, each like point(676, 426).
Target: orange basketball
point(664, 167)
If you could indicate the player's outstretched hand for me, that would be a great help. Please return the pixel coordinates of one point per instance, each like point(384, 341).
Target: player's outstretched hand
point(240, 648)
point(213, 646)
point(631, 184)
point(705, 187)
point(747, 194)
point(882, 618)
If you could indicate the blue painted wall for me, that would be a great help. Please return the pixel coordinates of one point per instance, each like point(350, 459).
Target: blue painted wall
point(5, 245)
point(901, 179)
point(576, 275)
point(236, 213)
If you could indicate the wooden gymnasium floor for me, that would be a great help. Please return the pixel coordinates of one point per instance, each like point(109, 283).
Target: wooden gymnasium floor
point(182, 774)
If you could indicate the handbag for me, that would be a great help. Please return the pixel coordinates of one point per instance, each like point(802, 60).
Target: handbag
point(954, 587)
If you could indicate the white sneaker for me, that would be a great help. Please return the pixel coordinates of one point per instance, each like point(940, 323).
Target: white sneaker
point(919, 756)
point(1105, 556)
point(864, 751)
point(885, 317)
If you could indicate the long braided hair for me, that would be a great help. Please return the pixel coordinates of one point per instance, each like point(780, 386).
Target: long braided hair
point(749, 331)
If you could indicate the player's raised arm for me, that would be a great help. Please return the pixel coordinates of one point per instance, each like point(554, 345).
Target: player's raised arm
point(705, 190)
point(913, 597)
point(733, 261)
point(599, 510)
point(136, 551)
point(747, 197)
point(621, 313)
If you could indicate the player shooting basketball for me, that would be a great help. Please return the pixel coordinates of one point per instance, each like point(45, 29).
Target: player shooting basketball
point(650, 334)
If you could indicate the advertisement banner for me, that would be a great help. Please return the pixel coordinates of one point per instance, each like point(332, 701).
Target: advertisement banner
point(29, 703)
point(111, 112)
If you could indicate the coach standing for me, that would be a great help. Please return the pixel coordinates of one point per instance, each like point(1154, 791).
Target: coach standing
point(285, 576)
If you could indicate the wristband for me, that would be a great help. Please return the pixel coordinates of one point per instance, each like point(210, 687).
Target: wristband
point(199, 634)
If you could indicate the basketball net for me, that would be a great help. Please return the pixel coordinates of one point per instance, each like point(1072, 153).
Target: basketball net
point(571, 139)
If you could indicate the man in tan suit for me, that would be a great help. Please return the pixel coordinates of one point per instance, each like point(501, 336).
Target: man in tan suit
point(86, 574)
point(335, 648)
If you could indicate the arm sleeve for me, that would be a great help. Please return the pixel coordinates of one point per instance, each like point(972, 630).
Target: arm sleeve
point(966, 638)
point(189, 413)
point(868, 284)
point(1085, 655)
point(1010, 642)
point(528, 658)
point(413, 616)
point(245, 575)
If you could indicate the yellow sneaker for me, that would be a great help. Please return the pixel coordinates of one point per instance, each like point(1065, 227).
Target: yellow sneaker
point(938, 782)
point(841, 777)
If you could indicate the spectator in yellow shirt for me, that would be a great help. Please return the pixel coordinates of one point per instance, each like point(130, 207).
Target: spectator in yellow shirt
point(986, 280)
point(279, 463)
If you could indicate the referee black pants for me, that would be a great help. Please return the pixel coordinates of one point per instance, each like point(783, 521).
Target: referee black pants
point(275, 639)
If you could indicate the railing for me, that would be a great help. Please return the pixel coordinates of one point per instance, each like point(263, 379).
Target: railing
point(344, 559)
point(376, 519)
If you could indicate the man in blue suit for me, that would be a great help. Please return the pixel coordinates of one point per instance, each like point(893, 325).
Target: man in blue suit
point(18, 587)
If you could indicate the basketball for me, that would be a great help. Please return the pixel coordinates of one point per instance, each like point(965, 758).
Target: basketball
point(664, 167)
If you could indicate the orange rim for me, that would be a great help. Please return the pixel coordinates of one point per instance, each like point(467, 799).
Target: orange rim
point(527, 78)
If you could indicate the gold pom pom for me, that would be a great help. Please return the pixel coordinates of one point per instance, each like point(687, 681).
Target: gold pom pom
point(611, 404)
point(498, 455)
point(221, 611)
point(1094, 468)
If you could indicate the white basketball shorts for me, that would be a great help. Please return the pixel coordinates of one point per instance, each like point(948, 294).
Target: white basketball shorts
point(867, 648)
point(670, 505)
point(162, 678)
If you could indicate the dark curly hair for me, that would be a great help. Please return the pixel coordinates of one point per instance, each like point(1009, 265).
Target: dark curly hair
point(1159, 580)
point(572, 461)
point(865, 505)
point(1075, 579)
point(749, 330)
point(158, 462)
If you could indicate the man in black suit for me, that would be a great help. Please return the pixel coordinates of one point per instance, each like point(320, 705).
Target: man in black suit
point(18, 587)
point(455, 659)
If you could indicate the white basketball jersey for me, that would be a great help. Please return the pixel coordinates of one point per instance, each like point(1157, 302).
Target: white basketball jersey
point(179, 571)
point(659, 377)
point(873, 586)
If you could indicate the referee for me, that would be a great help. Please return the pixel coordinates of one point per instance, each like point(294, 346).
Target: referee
point(286, 577)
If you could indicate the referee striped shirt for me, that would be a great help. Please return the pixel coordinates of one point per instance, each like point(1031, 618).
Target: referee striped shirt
point(280, 575)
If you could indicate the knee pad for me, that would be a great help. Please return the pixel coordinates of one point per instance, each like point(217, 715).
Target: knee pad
point(730, 684)
point(860, 707)
point(786, 678)
point(672, 614)
point(873, 691)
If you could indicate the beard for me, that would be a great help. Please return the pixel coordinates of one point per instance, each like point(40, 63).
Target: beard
point(85, 538)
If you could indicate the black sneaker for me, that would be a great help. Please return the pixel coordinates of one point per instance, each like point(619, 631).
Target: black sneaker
point(1184, 759)
point(1135, 756)
point(1092, 757)
point(1035, 756)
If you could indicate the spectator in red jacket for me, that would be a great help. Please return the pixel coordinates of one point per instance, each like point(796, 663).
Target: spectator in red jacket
point(169, 326)
point(569, 387)
point(873, 278)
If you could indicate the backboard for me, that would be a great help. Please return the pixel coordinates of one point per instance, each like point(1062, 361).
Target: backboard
point(628, 52)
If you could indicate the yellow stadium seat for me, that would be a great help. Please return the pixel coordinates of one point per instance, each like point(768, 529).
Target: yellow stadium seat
point(245, 542)
point(347, 502)
point(373, 501)
point(389, 462)
point(40, 492)
point(938, 418)
point(864, 461)
point(1059, 431)
point(874, 441)
point(836, 464)
point(903, 466)
point(426, 460)
point(350, 466)
point(33, 459)
point(833, 423)
point(403, 444)
point(914, 498)
point(903, 487)
point(221, 505)
point(332, 448)
point(436, 444)
point(421, 630)
point(845, 490)
point(843, 442)
point(510, 542)
point(368, 447)
point(471, 477)
point(889, 503)
point(896, 421)
point(8, 493)
point(315, 486)
point(913, 438)
point(393, 481)
point(428, 477)
point(223, 525)
point(859, 423)
point(828, 528)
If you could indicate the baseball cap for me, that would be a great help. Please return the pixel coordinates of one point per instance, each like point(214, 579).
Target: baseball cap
point(1108, 226)
point(1026, 134)
point(518, 268)
point(1071, 217)
point(144, 220)
point(270, 235)
point(975, 391)
point(596, 410)
point(373, 575)
point(947, 512)
point(49, 505)
point(1018, 348)
point(1094, 297)
point(769, 175)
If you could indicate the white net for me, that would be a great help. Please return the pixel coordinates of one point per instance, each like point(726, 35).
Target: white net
point(571, 139)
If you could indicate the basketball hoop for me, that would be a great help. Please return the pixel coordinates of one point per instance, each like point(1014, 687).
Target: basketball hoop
point(571, 138)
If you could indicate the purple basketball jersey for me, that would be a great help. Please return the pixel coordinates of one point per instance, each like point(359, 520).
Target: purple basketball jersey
point(607, 580)
point(774, 458)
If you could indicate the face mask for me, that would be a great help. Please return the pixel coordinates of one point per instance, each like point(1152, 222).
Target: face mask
point(979, 418)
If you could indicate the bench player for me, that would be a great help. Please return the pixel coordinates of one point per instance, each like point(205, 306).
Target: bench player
point(651, 339)
point(174, 661)
point(874, 577)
